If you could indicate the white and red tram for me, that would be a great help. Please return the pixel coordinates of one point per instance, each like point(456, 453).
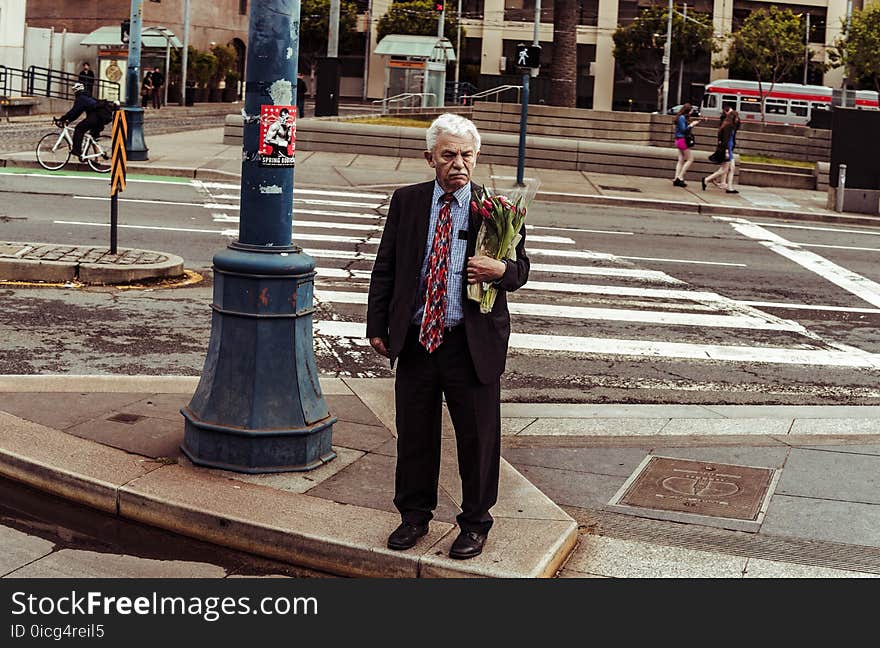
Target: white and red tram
point(785, 103)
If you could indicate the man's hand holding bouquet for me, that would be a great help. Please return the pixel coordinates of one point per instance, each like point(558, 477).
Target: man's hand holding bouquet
point(502, 215)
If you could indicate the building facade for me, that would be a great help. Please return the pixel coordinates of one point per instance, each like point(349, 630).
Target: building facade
point(492, 30)
point(494, 27)
point(211, 22)
point(12, 14)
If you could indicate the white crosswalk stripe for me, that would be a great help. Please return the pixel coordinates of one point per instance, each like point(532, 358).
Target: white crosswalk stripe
point(572, 293)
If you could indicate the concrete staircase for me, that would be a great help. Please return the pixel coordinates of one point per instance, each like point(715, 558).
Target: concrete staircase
point(776, 175)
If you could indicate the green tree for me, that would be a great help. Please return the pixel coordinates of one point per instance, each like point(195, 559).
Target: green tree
point(418, 18)
point(563, 67)
point(203, 66)
point(226, 57)
point(768, 47)
point(859, 48)
point(639, 46)
point(314, 30)
point(177, 62)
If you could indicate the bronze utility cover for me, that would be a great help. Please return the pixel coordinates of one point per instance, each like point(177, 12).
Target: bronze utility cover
point(703, 492)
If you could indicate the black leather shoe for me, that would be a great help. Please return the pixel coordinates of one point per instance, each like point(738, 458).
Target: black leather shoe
point(467, 545)
point(406, 535)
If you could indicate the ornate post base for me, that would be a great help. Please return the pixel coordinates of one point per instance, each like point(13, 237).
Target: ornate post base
point(135, 148)
point(258, 407)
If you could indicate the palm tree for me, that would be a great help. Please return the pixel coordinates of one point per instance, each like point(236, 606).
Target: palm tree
point(563, 71)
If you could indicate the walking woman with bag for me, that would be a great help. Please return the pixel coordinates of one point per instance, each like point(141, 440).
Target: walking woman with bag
point(723, 155)
point(147, 89)
point(684, 142)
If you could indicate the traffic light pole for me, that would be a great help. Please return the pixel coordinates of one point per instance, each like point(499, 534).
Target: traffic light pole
point(135, 144)
point(524, 110)
point(329, 69)
point(258, 406)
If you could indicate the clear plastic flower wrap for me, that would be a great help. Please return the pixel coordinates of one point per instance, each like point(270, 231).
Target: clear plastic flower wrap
point(502, 215)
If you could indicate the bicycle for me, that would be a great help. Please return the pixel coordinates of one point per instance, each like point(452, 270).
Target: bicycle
point(53, 149)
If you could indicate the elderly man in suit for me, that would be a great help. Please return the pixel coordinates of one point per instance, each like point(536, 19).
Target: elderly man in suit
point(418, 314)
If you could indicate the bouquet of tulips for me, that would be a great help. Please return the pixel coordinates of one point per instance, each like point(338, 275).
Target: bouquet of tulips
point(502, 217)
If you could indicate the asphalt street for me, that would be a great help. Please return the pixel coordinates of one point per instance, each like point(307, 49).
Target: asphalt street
point(623, 304)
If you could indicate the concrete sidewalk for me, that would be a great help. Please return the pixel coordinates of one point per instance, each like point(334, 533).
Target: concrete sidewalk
point(112, 442)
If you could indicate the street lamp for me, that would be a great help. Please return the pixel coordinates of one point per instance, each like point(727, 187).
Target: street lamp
point(184, 54)
point(807, 49)
point(135, 146)
point(666, 54)
point(258, 407)
point(846, 33)
point(458, 50)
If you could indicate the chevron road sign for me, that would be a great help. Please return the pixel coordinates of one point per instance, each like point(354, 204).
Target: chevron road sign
point(117, 171)
point(118, 159)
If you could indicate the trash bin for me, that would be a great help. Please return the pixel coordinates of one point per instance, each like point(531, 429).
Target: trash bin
point(190, 95)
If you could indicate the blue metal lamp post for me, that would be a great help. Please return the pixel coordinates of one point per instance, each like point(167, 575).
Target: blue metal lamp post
point(135, 147)
point(258, 406)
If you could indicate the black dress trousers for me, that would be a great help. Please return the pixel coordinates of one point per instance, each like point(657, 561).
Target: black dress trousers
point(421, 382)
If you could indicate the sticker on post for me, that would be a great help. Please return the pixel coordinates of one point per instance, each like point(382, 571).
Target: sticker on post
point(277, 135)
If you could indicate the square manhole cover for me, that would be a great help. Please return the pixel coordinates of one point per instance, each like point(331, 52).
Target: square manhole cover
point(703, 492)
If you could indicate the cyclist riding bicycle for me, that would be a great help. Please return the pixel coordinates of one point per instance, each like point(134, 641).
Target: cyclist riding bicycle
point(98, 115)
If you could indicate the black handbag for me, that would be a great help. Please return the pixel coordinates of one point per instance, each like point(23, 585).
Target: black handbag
point(689, 139)
point(717, 157)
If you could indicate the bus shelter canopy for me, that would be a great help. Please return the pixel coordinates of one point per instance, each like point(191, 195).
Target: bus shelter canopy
point(428, 48)
point(153, 37)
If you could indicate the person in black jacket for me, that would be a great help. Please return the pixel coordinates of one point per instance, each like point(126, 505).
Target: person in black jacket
point(301, 90)
point(444, 346)
point(87, 78)
point(158, 81)
point(94, 121)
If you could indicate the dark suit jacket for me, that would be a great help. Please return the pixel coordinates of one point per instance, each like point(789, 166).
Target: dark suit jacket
point(394, 288)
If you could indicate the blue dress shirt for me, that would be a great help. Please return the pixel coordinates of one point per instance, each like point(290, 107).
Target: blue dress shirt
point(459, 210)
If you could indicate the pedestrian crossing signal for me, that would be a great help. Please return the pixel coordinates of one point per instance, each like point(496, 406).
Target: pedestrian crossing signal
point(438, 6)
point(528, 56)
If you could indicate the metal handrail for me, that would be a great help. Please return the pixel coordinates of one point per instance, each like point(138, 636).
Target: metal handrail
point(55, 83)
point(45, 82)
point(492, 91)
point(401, 98)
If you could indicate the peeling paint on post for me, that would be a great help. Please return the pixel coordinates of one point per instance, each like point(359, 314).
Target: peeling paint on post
point(281, 92)
point(258, 406)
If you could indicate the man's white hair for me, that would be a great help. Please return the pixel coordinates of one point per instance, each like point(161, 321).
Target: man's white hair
point(452, 124)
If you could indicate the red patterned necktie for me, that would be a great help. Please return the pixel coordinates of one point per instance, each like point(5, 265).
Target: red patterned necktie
point(434, 319)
